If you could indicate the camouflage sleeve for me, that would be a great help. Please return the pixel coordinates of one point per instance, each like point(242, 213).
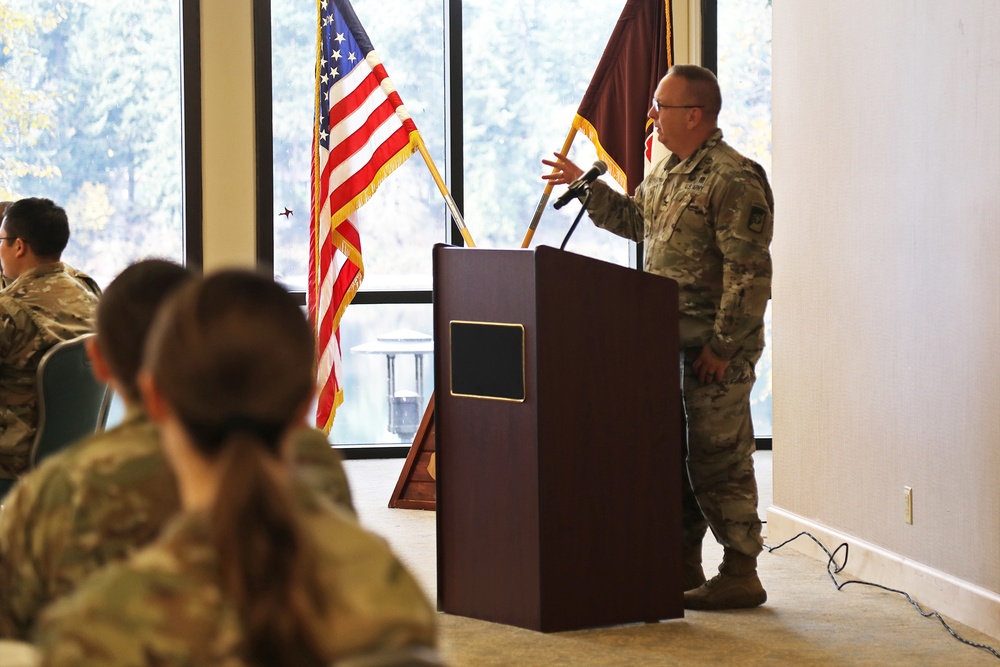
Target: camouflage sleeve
point(390, 616)
point(743, 234)
point(110, 622)
point(38, 561)
point(162, 608)
point(86, 280)
point(21, 584)
point(320, 467)
point(7, 331)
point(378, 603)
point(618, 213)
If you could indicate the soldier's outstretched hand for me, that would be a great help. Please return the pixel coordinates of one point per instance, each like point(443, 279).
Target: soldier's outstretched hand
point(564, 171)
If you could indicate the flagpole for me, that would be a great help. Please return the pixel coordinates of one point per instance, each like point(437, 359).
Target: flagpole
point(455, 213)
point(545, 193)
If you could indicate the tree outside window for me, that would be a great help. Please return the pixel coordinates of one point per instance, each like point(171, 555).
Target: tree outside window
point(90, 112)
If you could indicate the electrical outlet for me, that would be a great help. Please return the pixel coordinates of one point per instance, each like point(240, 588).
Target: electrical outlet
point(908, 499)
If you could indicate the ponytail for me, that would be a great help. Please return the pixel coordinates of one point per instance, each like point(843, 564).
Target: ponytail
point(265, 560)
point(233, 355)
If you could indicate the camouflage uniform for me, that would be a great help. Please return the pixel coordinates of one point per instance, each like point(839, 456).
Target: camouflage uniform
point(163, 606)
point(98, 501)
point(43, 306)
point(87, 281)
point(706, 222)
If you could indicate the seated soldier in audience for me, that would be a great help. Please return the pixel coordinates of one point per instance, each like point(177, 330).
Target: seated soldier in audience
point(102, 498)
point(89, 282)
point(42, 304)
point(257, 569)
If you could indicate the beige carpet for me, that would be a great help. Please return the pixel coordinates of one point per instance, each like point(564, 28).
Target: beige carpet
point(806, 620)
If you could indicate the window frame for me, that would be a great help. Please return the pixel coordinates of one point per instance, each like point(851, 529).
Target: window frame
point(191, 135)
point(454, 156)
point(710, 60)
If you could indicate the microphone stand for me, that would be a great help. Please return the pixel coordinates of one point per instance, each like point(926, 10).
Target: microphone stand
point(583, 207)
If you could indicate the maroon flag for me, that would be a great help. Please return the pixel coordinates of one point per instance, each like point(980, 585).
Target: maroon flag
point(613, 111)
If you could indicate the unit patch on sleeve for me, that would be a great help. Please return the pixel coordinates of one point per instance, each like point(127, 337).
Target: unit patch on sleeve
point(758, 216)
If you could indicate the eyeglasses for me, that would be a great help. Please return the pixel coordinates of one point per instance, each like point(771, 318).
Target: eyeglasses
point(657, 105)
point(8, 238)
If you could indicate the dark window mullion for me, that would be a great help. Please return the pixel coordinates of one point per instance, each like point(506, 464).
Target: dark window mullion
point(454, 162)
point(710, 35)
point(381, 297)
point(263, 131)
point(191, 163)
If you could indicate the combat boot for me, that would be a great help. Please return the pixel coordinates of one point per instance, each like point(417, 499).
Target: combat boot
point(692, 574)
point(735, 587)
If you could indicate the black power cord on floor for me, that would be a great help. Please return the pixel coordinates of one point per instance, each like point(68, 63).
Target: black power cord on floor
point(832, 568)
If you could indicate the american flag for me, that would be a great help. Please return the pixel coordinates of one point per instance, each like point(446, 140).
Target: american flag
point(361, 134)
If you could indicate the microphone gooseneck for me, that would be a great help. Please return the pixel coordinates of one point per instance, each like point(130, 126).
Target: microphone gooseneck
point(577, 187)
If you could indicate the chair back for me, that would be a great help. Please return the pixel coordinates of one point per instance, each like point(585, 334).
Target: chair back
point(72, 403)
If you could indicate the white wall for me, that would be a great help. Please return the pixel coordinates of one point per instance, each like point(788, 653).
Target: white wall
point(886, 171)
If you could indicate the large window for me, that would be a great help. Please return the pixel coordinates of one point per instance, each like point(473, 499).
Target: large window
point(524, 70)
point(744, 70)
point(400, 224)
point(90, 117)
point(526, 66)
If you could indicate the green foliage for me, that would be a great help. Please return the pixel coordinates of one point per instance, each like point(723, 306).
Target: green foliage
point(90, 116)
point(95, 92)
point(745, 78)
point(26, 108)
point(407, 211)
point(526, 70)
point(526, 66)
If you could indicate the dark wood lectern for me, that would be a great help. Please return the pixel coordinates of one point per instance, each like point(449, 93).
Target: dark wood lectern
point(558, 462)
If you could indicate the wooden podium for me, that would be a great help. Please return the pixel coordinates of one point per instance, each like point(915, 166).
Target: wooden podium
point(558, 460)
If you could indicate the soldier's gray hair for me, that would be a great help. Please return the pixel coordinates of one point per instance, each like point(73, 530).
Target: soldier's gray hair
point(703, 86)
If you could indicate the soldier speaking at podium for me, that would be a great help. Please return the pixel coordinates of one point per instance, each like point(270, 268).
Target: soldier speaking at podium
point(704, 215)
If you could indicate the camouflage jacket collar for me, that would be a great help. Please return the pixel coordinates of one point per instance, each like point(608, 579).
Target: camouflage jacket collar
point(35, 272)
point(677, 166)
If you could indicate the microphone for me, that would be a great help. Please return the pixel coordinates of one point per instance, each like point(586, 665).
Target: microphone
point(577, 187)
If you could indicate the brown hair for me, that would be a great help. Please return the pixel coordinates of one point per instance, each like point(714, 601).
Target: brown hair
point(126, 311)
point(232, 354)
